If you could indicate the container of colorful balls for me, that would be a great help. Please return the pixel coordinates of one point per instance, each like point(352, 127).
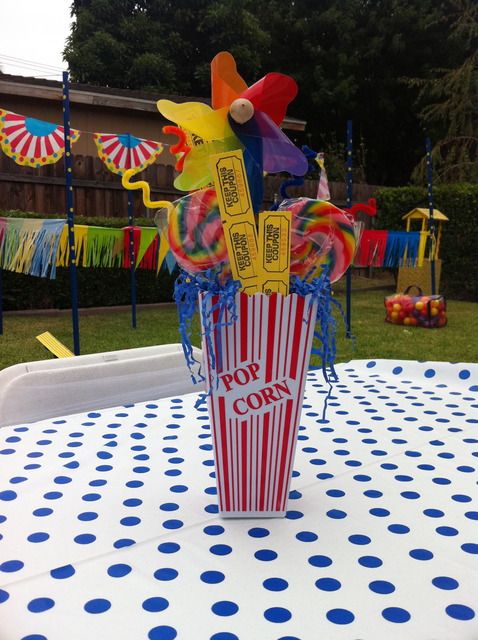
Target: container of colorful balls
point(416, 310)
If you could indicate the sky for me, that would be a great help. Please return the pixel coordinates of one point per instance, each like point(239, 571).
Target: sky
point(34, 33)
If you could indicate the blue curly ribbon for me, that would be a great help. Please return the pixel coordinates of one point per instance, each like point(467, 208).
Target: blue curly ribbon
point(186, 294)
point(219, 297)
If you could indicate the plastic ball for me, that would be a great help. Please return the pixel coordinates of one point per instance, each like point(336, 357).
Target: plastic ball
point(419, 305)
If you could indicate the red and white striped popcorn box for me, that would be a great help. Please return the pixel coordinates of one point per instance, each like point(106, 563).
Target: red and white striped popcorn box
point(255, 397)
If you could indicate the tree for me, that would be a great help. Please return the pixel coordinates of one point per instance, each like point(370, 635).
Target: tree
point(348, 56)
point(450, 102)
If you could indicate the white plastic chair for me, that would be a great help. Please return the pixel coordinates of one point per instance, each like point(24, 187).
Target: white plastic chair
point(34, 391)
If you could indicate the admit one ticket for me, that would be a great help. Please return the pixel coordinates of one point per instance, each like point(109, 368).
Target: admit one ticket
point(237, 217)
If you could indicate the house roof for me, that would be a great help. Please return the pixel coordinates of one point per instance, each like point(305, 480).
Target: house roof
point(419, 213)
point(103, 96)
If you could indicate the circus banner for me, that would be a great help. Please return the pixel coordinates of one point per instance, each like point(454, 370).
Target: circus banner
point(31, 142)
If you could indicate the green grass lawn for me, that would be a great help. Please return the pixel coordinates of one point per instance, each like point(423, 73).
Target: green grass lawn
point(374, 338)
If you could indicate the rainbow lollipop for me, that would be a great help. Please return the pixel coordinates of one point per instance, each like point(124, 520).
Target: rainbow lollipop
point(195, 232)
point(321, 234)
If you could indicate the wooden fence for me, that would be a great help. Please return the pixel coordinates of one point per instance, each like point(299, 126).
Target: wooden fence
point(98, 192)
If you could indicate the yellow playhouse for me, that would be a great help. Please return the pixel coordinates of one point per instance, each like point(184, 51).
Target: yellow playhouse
point(420, 275)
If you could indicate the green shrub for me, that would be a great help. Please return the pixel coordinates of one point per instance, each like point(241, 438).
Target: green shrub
point(96, 287)
point(459, 202)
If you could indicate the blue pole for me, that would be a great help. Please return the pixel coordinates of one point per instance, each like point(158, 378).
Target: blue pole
point(431, 219)
point(348, 275)
point(70, 212)
point(132, 257)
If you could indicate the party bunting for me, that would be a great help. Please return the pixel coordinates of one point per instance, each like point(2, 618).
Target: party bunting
point(402, 248)
point(125, 151)
point(371, 250)
point(30, 246)
point(31, 142)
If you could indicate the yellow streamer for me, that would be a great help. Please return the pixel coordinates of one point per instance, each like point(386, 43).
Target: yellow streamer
point(144, 186)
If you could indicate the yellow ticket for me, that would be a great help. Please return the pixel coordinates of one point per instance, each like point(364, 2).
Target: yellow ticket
point(274, 251)
point(237, 217)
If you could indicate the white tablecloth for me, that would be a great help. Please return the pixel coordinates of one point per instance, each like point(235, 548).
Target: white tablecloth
point(109, 525)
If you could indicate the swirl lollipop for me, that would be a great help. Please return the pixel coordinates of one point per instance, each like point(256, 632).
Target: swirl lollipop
point(195, 232)
point(321, 234)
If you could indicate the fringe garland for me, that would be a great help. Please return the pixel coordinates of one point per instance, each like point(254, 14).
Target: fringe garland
point(30, 246)
point(402, 249)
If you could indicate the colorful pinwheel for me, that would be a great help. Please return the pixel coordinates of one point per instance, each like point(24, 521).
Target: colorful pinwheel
point(124, 151)
point(241, 117)
point(32, 142)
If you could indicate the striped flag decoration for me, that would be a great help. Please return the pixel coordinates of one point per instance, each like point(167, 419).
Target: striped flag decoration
point(125, 151)
point(255, 400)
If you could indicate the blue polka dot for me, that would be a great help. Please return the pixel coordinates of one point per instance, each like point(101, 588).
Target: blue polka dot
point(336, 514)
point(38, 605)
point(169, 547)
point(212, 577)
point(335, 493)
point(155, 604)
point(460, 612)
point(166, 574)
point(277, 614)
point(169, 506)
point(381, 586)
point(320, 561)
point(224, 635)
point(396, 614)
point(434, 513)
point(275, 584)
point(371, 562)
point(4, 595)
point(379, 512)
point(162, 633)
point(97, 605)
point(85, 538)
point(371, 364)
point(472, 515)
point(359, 539)
point(91, 497)
point(307, 536)
point(213, 530)
point(447, 531)
point(410, 495)
point(328, 584)
point(429, 373)
point(294, 515)
point(178, 488)
point(459, 497)
point(39, 536)
point(119, 570)
point(9, 566)
point(45, 511)
point(221, 549)
point(60, 573)
point(130, 521)
point(173, 524)
point(52, 495)
point(258, 532)
point(62, 480)
point(265, 554)
point(123, 542)
point(225, 608)
point(398, 528)
point(397, 370)
point(464, 374)
point(8, 495)
point(470, 547)
point(340, 616)
point(421, 554)
point(444, 582)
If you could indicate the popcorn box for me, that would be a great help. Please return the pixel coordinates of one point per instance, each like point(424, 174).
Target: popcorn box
point(255, 368)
